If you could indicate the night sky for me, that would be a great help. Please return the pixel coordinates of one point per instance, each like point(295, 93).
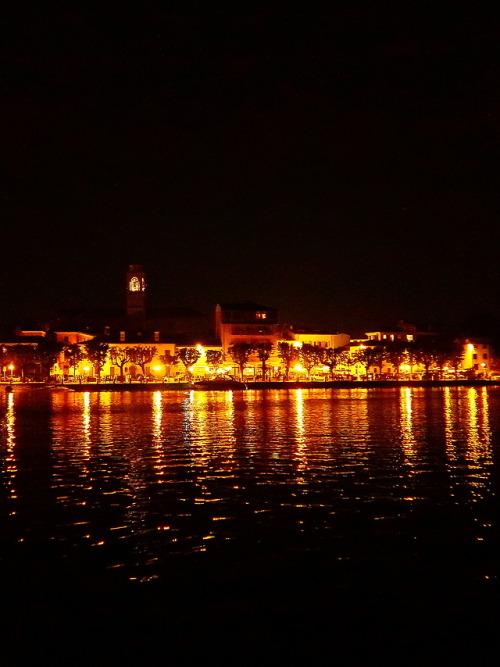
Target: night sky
point(338, 161)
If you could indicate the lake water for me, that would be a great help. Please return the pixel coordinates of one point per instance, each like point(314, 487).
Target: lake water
point(271, 525)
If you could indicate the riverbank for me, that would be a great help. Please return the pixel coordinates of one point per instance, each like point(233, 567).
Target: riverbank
point(186, 386)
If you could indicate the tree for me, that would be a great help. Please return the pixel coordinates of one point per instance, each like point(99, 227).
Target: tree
point(431, 352)
point(215, 358)
point(344, 360)
point(264, 351)
point(119, 356)
point(331, 357)
point(455, 355)
point(439, 353)
point(397, 354)
point(97, 353)
point(377, 355)
point(288, 355)
point(74, 354)
point(310, 356)
point(20, 357)
point(189, 356)
point(370, 357)
point(414, 356)
point(47, 354)
point(240, 354)
point(362, 358)
point(169, 360)
point(142, 355)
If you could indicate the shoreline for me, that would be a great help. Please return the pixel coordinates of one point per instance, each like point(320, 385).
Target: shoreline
point(248, 386)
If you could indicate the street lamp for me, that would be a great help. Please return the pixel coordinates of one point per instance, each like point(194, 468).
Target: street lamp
point(11, 368)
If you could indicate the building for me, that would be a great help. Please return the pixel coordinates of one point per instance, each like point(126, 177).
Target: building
point(477, 357)
point(320, 338)
point(136, 321)
point(403, 332)
point(246, 322)
point(145, 342)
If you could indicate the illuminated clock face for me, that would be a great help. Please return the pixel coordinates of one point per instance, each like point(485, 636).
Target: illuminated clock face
point(134, 285)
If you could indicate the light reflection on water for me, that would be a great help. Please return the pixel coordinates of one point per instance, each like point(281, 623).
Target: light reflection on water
point(140, 477)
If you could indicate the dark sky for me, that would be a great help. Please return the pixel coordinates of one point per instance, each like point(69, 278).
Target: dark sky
point(338, 161)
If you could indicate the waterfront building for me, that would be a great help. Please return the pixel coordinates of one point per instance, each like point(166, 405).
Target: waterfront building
point(320, 338)
point(478, 356)
point(145, 342)
point(403, 332)
point(246, 322)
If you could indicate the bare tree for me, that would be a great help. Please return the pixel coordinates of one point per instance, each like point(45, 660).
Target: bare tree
point(119, 357)
point(264, 351)
point(397, 354)
point(169, 360)
point(240, 354)
point(74, 354)
point(97, 354)
point(142, 355)
point(310, 356)
point(370, 357)
point(215, 358)
point(455, 355)
point(331, 357)
point(288, 355)
point(189, 356)
point(47, 353)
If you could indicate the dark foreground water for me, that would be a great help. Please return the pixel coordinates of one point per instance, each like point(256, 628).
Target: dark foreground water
point(279, 527)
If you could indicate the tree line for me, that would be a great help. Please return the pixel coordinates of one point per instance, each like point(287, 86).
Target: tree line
point(431, 355)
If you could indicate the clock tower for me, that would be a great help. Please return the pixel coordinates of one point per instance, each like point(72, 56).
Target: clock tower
point(136, 291)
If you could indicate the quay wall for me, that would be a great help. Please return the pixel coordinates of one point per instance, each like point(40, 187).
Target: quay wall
point(186, 386)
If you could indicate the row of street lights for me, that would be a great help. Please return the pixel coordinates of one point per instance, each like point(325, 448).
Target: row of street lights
point(10, 367)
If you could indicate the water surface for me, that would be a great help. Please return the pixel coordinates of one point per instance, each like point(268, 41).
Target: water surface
point(237, 502)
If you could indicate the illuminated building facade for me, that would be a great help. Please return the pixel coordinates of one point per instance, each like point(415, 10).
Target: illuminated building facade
point(246, 322)
point(144, 343)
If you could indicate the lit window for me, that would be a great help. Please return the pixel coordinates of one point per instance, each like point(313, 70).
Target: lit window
point(261, 315)
point(157, 336)
point(122, 336)
point(409, 337)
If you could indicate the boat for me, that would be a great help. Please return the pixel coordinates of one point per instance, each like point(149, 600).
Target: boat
point(218, 384)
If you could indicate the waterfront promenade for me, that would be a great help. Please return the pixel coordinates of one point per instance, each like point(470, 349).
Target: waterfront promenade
point(205, 386)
